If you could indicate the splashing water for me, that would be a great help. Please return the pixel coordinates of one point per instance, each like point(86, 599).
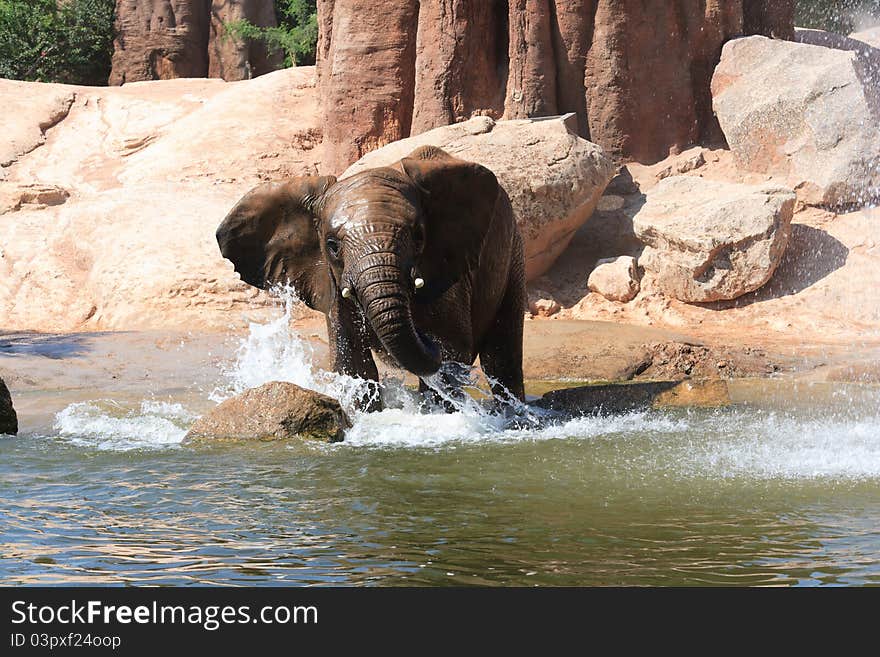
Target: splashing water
point(108, 425)
point(740, 442)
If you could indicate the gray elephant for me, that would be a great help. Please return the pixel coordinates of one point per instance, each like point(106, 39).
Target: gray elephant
point(420, 261)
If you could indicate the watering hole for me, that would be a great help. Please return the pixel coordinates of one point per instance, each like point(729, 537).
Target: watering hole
point(782, 487)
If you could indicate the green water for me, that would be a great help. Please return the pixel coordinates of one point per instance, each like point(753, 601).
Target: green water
point(769, 492)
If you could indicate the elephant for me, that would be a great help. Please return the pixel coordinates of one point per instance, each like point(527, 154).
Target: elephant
point(421, 262)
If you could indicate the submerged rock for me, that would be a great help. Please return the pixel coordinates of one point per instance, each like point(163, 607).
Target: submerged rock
point(274, 411)
point(711, 241)
point(553, 177)
point(8, 418)
point(626, 397)
point(871, 36)
point(804, 113)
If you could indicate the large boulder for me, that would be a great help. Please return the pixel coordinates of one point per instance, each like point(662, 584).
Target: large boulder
point(553, 177)
point(710, 241)
point(274, 411)
point(167, 39)
point(111, 197)
point(8, 418)
point(392, 68)
point(806, 114)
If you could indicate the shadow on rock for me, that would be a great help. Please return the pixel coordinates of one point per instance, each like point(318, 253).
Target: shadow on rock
point(811, 255)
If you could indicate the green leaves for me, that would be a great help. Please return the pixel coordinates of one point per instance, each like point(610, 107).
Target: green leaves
point(44, 42)
point(296, 35)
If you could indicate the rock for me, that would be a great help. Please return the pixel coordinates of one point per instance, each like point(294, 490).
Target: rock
point(8, 418)
point(628, 397)
point(274, 411)
point(167, 39)
point(240, 59)
point(389, 69)
point(553, 177)
point(115, 212)
point(708, 241)
point(160, 40)
point(871, 36)
point(616, 279)
point(805, 114)
point(29, 111)
point(688, 161)
point(544, 307)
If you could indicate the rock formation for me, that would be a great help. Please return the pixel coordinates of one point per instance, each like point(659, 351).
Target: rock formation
point(274, 411)
point(552, 195)
point(806, 114)
point(616, 279)
point(166, 39)
point(110, 196)
point(636, 74)
point(8, 418)
point(711, 241)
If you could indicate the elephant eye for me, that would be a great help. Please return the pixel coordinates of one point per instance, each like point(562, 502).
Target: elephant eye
point(333, 247)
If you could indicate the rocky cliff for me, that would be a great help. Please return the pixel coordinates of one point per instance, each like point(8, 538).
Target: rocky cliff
point(166, 39)
point(637, 74)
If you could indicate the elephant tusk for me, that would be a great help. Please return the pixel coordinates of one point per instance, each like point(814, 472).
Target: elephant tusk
point(419, 283)
point(346, 292)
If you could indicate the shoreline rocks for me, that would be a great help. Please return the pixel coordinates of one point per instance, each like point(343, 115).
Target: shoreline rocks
point(274, 411)
point(8, 417)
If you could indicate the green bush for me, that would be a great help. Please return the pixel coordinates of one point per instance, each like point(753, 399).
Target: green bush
point(841, 16)
point(296, 35)
point(42, 41)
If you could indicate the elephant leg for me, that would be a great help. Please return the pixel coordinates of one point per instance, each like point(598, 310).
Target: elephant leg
point(502, 351)
point(450, 380)
point(351, 353)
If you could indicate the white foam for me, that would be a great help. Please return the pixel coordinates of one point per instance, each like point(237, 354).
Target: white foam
point(756, 444)
point(108, 425)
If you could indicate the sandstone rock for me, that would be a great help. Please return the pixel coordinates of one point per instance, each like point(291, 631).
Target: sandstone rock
point(688, 161)
point(28, 112)
point(553, 177)
point(274, 411)
point(167, 39)
point(806, 114)
point(708, 241)
point(871, 36)
point(616, 279)
point(8, 418)
point(240, 59)
point(160, 40)
point(145, 172)
point(394, 68)
point(544, 307)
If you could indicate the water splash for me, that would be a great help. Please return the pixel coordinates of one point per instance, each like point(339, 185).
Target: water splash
point(108, 425)
point(276, 351)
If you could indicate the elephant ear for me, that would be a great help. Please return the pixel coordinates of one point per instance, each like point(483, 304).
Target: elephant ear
point(271, 237)
point(458, 199)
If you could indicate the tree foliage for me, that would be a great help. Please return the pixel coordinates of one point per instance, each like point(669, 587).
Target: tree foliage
point(296, 34)
point(840, 16)
point(48, 41)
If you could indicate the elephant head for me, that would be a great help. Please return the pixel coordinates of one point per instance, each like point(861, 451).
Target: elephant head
point(383, 239)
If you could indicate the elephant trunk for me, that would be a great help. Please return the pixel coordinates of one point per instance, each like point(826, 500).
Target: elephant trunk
point(384, 294)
